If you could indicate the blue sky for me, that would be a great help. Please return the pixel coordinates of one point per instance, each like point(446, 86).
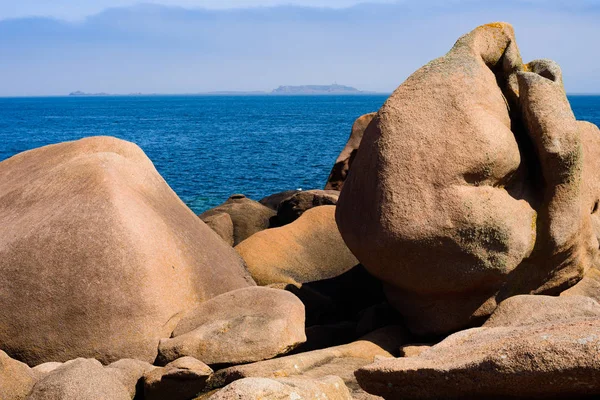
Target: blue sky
point(186, 46)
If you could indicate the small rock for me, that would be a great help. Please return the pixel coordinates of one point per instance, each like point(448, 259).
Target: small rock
point(247, 217)
point(130, 372)
point(292, 208)
point(414, 349)
point(181, 379)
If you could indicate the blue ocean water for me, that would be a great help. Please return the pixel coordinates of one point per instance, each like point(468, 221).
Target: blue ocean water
point(209, 147)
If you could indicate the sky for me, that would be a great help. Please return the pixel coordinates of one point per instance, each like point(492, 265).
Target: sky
point(191, 46)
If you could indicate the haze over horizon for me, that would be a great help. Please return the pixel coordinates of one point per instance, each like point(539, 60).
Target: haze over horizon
point(185, 46)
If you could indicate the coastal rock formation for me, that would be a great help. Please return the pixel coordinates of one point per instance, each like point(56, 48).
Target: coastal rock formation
point(241, 326)
point(98, 255)
point(340, 169)
point(329, 387)
point(292, 208)
point(129, 372)
point(307, 250)
point(247, 217)
point(553, 360)
point(473, 183)
point(589, 286)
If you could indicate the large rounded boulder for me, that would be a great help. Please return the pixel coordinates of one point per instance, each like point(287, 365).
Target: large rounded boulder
point(469, 186)
point(98, 255)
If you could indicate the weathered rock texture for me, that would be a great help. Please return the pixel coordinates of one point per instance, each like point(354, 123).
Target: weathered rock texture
point(473, 182)
point(247, 217)
point(98, 254)
point(241, 326)
point(530, 310)
point(307, 250)
point(16, 378)
point(291, 209)
point(79, 379)
point(340, 361)
point(555, 360)
point(329, 387)
point(340, 169)
point(130, 372)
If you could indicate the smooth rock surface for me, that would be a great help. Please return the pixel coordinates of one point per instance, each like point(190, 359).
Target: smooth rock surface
point(470, 186)
point(329, 387)
point(530, 310)
point(16, 378)
point(247, 217)
point(105, 252)
point(241, 326)
point(292, 208)
point(553, 360)
point(342, 165)
point(307, 250)
point(79, 379)
point(181, 379)
point(589, 286)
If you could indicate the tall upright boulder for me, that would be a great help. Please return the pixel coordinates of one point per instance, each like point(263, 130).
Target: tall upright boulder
point(340, 169)
point(469, 186)
point(98, 256)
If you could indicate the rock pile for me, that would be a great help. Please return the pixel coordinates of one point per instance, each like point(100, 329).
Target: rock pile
point(469, 202)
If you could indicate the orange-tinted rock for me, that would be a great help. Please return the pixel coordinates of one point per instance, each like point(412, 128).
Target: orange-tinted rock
point(340, 169)
point(307, 250)
point(104, 252)
point(16, 378)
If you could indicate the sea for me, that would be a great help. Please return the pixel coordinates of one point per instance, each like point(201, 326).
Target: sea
point(210, 147)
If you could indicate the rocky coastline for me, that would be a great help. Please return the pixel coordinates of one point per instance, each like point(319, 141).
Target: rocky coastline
point(452, 254)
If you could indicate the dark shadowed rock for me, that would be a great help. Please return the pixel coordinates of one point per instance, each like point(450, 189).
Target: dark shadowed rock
point(222, 224)
point(554, 360)
point(105, 251)
point(130, 372)
point(79, 379)
point(340, 169)
point(273, 201)
point(16, 378)
point(329, 387)
point(307, 250)
point(241, 326)
point(247, 217)
point(181, 379)
point(291, 209)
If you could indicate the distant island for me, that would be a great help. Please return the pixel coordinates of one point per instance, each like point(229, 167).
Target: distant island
point(317, 89)
point(334, 89)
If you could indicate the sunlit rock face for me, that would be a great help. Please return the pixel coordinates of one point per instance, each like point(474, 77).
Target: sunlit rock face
point(473, 182)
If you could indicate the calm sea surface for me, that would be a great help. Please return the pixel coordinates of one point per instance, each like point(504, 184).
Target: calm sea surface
point(209, 147)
